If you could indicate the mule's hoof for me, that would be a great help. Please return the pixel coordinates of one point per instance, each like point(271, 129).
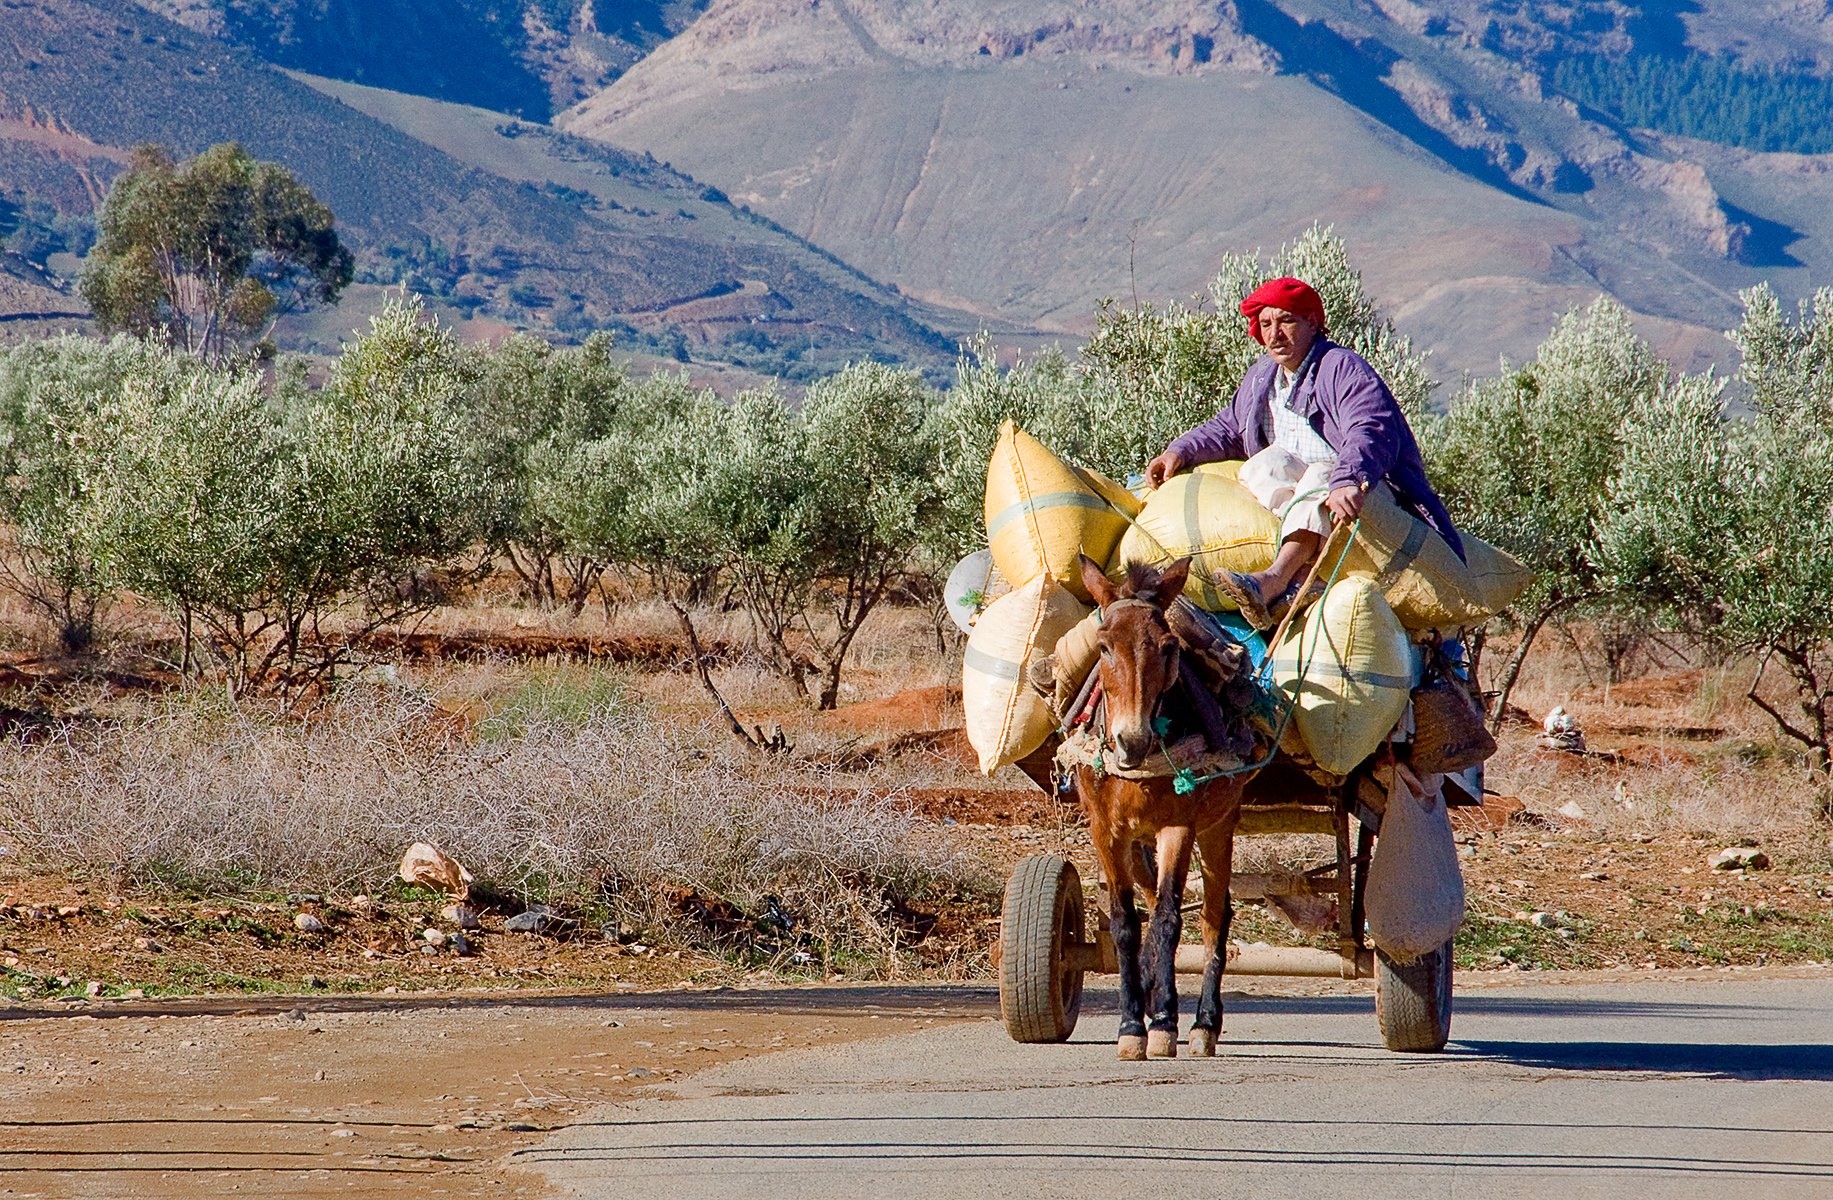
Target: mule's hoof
point(1202, 1043)
point(1161, 1043)
point(1131, 1048)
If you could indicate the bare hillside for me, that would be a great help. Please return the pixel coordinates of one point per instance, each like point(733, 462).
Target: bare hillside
point(1024, 159)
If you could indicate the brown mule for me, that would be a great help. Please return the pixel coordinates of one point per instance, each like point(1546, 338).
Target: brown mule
point(1139, 684)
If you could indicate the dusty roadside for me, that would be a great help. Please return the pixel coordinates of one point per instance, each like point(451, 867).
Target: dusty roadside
point(373, 1096)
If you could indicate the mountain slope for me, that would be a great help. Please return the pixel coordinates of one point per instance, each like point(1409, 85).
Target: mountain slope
point(1028, 157)
point(626, 242)
point(526, 57)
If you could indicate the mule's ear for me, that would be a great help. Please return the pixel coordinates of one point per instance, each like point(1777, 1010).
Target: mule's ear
point(1171, 581)
point(1097, 582)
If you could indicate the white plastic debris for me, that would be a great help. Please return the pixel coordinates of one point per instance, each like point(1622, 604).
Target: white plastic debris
point(1560, 731)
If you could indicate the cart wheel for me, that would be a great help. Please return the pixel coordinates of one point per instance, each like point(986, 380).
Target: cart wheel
point(1040, 992)
point(1413, 1001)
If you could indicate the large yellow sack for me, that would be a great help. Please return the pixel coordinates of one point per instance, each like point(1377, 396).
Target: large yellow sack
point(1074, 656)
point(1423, 580)
point(1210, 517)
point(1006, 719)
point(1229, 468)
point(1041, 512)
point(1358, 669)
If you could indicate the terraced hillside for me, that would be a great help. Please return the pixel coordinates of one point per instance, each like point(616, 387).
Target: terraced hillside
point(593, 238)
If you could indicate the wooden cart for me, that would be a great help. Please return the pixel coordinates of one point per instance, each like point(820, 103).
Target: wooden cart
point(1046, 948)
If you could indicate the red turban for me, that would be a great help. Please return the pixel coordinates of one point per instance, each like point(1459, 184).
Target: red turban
point(1294, 295)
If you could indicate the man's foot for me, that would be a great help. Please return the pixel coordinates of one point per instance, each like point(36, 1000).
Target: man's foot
point(1245, 591)
point(1256, 609)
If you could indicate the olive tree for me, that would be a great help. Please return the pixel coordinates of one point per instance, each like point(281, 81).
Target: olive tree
point(535, 401)
point(1722, 526)
point(1524, 460)
point(254, 520)
point(50, 393)
point(824, 511)
point(206, 251)
point(635, 499)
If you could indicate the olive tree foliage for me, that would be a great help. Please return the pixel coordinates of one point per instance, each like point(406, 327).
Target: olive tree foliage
point(50, 393)
point(207, 251)
point(532, 403)
point(809, 516)
point(253, 518)
point(1525, 459)
point(1722, 526)
point(825, 511)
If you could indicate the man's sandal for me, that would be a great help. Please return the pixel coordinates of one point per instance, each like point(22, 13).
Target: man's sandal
point(1256, 609)
point(1244, 590)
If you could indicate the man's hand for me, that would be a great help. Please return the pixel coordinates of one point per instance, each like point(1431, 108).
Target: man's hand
point(1345, 503)
point(1160, 470)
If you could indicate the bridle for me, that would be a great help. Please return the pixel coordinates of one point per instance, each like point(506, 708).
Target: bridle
point(1158, 703)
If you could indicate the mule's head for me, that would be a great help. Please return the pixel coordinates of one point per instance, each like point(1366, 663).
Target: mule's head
point(1139, 652)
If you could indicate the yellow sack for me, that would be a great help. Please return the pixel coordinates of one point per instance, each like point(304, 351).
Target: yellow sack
point(1358, 671)
point(1213, 519)
point(1424, 581)
point(1227, 469)
point(1074, 655)
point(1006, 719)
point(1041, 512)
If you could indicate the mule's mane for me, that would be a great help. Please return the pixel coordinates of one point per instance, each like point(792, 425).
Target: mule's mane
point(1143, 582)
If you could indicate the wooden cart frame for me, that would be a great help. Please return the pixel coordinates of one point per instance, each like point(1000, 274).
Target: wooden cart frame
point(1046, 950)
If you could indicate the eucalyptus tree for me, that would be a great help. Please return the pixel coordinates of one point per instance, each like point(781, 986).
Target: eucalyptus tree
point(207, 251)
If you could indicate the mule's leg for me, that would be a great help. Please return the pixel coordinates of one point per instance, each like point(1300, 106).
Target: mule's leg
point(1218, 848)
point(1174, 845)
point(1114, 850)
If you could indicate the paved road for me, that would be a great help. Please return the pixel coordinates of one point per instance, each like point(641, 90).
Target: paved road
point(1656, 1089)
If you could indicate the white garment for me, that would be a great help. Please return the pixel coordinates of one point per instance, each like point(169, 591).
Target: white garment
point(1291, 431)
point(1291, 488)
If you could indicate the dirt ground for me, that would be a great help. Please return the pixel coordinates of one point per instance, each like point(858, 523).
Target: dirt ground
point(380, 1098)
point(359, 1060)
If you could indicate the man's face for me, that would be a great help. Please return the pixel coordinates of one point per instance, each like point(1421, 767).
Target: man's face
point(1288, 336)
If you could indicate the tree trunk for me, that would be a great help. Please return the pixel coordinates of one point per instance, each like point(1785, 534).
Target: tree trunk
point(1511, 670)
point(706, 678)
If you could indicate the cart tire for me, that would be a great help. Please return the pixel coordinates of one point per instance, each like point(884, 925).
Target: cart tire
point(1413, 1001)
point(1040, 993)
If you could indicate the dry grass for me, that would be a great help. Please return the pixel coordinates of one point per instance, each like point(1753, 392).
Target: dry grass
point(569, 790)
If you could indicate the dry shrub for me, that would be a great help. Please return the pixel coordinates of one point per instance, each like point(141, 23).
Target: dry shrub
point(543, 799)
point(1713, 792)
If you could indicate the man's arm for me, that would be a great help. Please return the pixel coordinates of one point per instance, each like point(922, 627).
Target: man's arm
point(1370, 428)
point(1215, 440)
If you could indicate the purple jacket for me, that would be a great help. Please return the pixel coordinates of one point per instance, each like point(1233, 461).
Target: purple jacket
point(1350, 408)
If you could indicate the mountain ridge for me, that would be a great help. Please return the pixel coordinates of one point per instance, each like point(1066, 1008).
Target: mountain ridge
point(872, 129)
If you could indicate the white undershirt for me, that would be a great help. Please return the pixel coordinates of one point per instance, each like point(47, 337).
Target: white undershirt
point(1290, 431)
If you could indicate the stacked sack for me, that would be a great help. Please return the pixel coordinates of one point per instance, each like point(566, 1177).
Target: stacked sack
point(1350, 661)
point(1041, 513)
point(1353, 659)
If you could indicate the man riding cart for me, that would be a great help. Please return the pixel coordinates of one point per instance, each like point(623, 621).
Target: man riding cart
point(1179, 715)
